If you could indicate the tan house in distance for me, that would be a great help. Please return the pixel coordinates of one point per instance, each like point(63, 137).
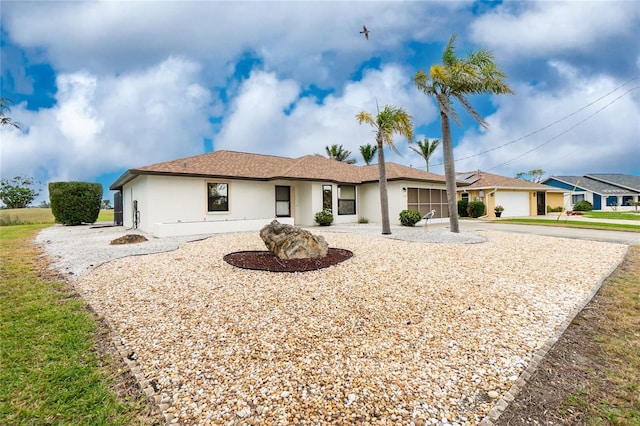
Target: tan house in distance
point(518, 197)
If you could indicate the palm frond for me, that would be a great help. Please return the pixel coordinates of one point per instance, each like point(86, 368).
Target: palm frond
point(470, 109)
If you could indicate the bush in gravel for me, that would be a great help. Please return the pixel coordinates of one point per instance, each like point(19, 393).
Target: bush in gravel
point(324, 218)
point(74, 203)
point(582, 206)
point(410, 217)
point(475, 209)
point(462, 208)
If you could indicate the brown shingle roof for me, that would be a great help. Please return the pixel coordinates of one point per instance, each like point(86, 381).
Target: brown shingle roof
point(241, 165)
point(489, 180)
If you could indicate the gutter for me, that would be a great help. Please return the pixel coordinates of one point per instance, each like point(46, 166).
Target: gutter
point(490, 193)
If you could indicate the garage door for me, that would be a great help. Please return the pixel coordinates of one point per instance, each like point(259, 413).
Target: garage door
point(514, 203)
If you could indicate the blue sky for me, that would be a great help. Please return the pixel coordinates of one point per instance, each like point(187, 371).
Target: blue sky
point(100, 87)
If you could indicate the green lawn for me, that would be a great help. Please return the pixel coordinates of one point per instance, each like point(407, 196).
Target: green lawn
point(39, 216)
point(51, 372)
point(613, 215)
point(577, 224)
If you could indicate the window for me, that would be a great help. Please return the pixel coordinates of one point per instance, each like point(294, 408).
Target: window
point(327, 198)
point(576, 197)
point(424, 200)
point(283, 201)
point(465, 196)
point(217, 197)
point(346, 199)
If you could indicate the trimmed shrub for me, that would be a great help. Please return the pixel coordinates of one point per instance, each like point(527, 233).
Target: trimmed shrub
point(582, 206)
point(324, 218)
point(363, 220)
point(75, 203)
point(410, 217)
point(554, 209)
point(475, 209)
point(462, 208)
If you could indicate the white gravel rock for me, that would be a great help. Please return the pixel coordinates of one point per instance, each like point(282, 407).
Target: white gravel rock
point(404, 331)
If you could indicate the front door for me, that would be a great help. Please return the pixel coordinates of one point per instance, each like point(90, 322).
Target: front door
point(542, 203)
point(283, 201)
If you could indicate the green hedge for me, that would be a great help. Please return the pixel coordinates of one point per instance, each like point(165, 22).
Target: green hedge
point(582, 206)
point(462, 208)
point(410, 217)
point(74, 203)
point(475, 208)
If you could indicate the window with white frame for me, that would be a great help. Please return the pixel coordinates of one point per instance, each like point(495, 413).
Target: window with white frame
point(346, 199)
point(217, 197)
point(576, 197)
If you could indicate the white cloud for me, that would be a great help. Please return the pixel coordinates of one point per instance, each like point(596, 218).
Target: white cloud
point(542, 29)
point(270, 115)
point(606, 142)
point(315, 42)
point(103, 124)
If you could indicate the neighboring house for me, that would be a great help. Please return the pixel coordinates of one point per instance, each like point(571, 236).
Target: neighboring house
point(518, 197)
point(604, 191)
point(226, 191)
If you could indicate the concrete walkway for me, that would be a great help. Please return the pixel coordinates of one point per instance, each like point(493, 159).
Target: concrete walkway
point(470, 225)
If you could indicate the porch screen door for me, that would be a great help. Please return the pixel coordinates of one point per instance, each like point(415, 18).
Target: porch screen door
point(283, 201)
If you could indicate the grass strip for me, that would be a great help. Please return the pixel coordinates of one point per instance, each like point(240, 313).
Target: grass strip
point(576, 224)
point(615, 398)
point(51, 372)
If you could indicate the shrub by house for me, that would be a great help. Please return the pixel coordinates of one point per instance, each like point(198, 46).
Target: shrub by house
point(74, 203)
point(410, 217)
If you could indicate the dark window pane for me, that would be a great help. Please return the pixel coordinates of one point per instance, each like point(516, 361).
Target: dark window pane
point(218, 200)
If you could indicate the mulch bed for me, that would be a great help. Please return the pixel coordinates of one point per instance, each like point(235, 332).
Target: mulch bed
point(267, 261)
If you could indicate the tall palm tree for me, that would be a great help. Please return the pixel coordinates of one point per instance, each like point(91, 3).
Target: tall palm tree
point(426, 149)
point(368, 151)
point(457, 78)
point(389, 121)
point(6, 121)
point(337, 152)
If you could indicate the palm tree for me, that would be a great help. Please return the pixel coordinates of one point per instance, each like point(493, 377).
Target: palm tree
point(388, 121)
point(458, 78)
point(337, 152)
point(426, 149)
point(368, 151)
point(6, 121)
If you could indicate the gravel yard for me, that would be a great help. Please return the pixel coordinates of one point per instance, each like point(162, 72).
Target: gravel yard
point(404, 332)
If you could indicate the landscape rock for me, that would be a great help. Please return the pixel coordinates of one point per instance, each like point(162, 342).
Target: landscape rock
point(129, 239)
point(291, 242)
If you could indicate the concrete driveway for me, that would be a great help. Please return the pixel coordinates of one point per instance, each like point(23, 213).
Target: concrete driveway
point(622, 237)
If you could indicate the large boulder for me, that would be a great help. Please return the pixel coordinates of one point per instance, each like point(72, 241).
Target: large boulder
point(291, 242)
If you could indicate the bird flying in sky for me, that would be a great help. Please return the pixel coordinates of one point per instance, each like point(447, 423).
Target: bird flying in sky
point(365, 31)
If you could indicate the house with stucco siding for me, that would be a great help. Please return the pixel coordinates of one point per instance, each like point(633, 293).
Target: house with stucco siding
point(228, 191)
point(518, 197)
point(605, 191)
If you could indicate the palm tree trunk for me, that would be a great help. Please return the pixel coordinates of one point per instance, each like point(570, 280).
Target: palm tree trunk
point(384, 196)
point(449, 173)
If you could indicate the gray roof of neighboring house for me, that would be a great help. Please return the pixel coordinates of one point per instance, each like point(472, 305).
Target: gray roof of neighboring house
point(593, 185)
point(625, 181)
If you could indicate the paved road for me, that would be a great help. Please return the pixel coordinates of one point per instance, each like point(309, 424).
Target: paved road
point(629, 238)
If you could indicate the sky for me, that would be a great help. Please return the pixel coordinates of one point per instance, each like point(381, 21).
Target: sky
point(103, 86)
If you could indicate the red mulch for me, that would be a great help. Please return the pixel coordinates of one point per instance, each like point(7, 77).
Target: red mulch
point(267, 261)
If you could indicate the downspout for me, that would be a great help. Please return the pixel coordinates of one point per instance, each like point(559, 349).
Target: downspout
point(487, 204)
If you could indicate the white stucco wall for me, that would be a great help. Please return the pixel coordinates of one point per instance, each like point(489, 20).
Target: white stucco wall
point(173, 205)
point(174, 199)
